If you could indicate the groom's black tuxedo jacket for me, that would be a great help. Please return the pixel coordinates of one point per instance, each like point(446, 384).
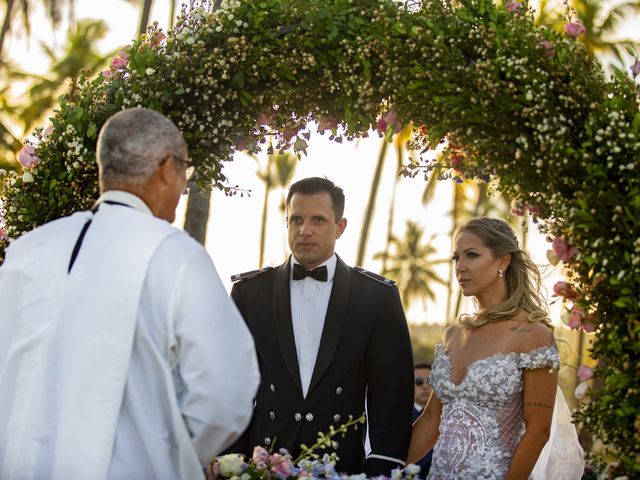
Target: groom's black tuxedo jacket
point(365, 352)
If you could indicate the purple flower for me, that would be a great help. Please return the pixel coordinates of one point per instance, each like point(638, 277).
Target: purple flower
point(635, 68)
point(27, 156)
point(107, 74)
point(574, 29)
point(119, 62)
point(564, 289)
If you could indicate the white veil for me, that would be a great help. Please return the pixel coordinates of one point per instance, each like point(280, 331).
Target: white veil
point(562, 458)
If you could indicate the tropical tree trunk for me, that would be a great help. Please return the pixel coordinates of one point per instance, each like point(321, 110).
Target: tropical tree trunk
point(144, 18)
point(6, 23)
point(197, 214)
point(371, 204)
point(172, 13)
point(392, 208)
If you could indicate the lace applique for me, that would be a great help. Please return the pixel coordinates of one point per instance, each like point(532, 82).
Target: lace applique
point(482, 417)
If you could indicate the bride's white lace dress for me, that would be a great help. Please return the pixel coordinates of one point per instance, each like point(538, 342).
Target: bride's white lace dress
point(482, 417)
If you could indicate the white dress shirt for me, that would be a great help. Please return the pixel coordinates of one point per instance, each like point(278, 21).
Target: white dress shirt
point(309, 303)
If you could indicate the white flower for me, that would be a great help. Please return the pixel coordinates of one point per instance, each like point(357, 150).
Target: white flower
point(150, 71)
point(230, 464)
point(581, 390)
point(27, 177)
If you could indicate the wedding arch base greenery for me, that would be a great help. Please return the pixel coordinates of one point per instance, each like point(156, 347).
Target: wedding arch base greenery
point(500, 97)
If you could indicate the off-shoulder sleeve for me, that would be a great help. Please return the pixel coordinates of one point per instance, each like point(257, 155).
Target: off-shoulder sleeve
point(542, 357)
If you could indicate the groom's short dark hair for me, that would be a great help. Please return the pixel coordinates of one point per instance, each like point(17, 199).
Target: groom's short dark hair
point(313, 185)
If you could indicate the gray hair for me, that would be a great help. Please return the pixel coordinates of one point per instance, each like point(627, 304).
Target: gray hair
point(132, 143)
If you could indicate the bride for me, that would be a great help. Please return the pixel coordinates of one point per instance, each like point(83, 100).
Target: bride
point(495, 374)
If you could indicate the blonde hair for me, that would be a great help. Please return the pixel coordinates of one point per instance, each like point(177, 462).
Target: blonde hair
point(522, 277)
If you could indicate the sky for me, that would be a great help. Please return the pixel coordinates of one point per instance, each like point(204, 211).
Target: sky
point(234, 226)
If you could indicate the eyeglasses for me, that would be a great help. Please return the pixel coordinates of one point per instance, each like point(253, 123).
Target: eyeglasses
point(422, 381)
point(189, 168)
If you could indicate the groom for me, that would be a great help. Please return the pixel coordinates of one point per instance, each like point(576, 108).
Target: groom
point(329, 338)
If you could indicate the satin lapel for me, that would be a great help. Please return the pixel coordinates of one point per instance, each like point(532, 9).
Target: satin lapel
point(283, 323)
point(332, 322)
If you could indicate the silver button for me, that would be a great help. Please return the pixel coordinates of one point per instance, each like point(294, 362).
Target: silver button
point(267, 441)
point(272, 387)
point(336, 418)
point(309, 417)
point(298, 417)
point(338, 390)
point(272, 415)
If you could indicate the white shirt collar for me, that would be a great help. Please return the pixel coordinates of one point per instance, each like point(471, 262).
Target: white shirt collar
point(330, 263)
point(126, 198)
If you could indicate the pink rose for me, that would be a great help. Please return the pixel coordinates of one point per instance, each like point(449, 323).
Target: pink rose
point(547, 48)
point(588, 327)
point(564, 289)
point(585, 373)
point(391, 118)
point(635, 68)
point(260, 457)
point(3, 235)
point(119, 62)
point(574, 29)
point(279, 464)
point(107, 74)
point(48, 131)
point(563, 250)
point(515, 7)
point(581, 390)
point(519, 210)
point(27, 156)
point(381, 127)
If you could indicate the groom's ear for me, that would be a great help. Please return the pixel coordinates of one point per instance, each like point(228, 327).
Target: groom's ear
point(342, 224)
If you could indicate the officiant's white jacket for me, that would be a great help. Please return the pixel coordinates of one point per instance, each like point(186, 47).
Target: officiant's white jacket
point(134, 365)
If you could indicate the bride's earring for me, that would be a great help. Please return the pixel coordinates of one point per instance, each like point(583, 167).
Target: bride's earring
point(500, 273)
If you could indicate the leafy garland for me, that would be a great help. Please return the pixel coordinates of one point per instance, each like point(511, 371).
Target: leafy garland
point(497, 96)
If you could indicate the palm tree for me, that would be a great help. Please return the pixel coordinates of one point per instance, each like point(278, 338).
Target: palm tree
point(79, 55)
point(601, 23)
point(371, 203)
point(411, 265)
point(399, 144)
point(52, 7)
point(278, 173)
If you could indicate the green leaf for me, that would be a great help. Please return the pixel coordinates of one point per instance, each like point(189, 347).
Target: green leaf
point(91, 130)
point(238, 79)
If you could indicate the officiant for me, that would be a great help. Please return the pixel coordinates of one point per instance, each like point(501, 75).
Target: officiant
point(120, 351)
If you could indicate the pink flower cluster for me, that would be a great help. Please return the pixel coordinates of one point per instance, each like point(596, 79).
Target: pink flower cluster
point(3, 235)
point(117, 63)
point(562, 250)
point(565, 290)
point(275, 462)
point(515, 7)
point(389, 118)
point(547, 48)
point(574, 29)
point(27, 156)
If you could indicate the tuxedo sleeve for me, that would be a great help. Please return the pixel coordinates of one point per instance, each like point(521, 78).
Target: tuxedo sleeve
point(241, 445)
point(390, 387)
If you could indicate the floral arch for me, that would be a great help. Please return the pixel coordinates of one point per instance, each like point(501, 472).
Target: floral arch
point(503, 98)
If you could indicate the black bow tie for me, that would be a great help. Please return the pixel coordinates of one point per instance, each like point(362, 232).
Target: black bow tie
point(299, 273)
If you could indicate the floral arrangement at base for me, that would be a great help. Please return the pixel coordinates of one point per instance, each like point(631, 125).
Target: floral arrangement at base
point(498, 97)
point(265, 465)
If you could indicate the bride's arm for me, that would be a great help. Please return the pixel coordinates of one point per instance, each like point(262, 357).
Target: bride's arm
point(539, 397)
point(425, 429)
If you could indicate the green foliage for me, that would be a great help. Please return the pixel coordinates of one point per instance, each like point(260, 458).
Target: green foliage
point(501, 97)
